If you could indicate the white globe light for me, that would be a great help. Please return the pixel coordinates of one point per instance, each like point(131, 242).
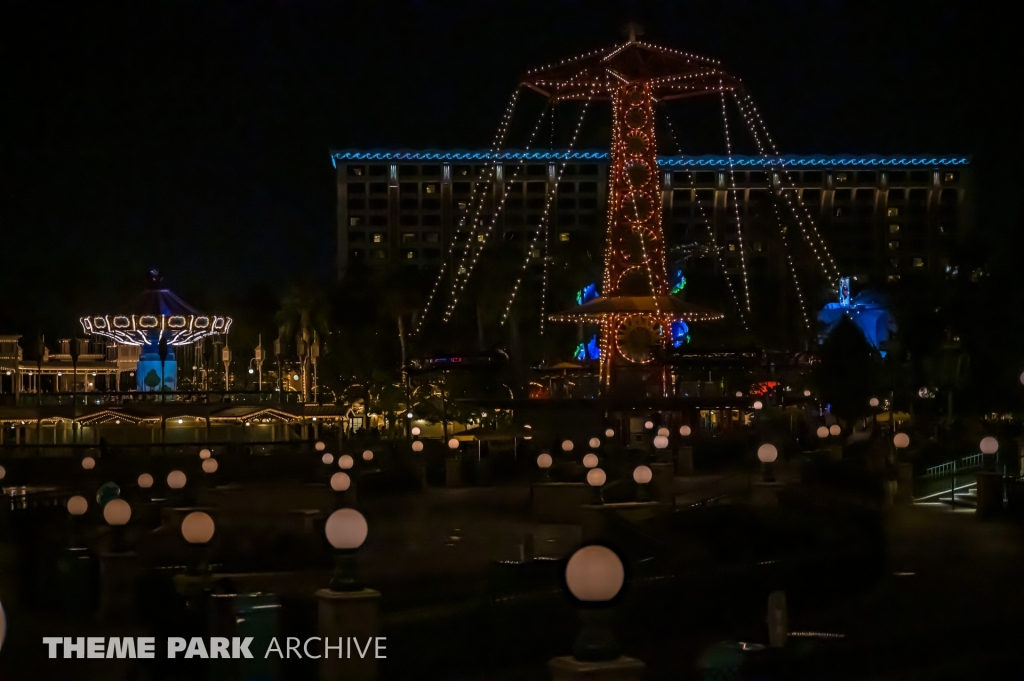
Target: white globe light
point(807, 393)
point(197, 528)
point(596, 477)
point(595, 442)
point(251, 371)
point(417, 446)
point(834, 429)
point(77, 505)
point(176, 479)
point(767, 453)
point(989, 445)
point(117, 512)
point(327, 458)
point(88, 463)
point(3, 472)
point(416, 430)
point(453, 443)
point(320, 446)
point(739, 393)
point(544, 461)
point(609, 433)
point(567, 445)
point(649, 425)
point(367, 455)
point(345, 462)
point(1022, 378)
point(642, 475)
point(758, 404)
point(901, 440)
point(663, 431)
point(822, 431)
point(594, 573)
point(340, 482)
point(210, 466)
point(346, 529)
point(873, 402)
point(685, 431)
point(205, 454)
point(660, 442)
point(590, 461)
point(3, 625)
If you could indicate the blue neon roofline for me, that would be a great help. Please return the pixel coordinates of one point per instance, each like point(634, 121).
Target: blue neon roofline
point(676, 161)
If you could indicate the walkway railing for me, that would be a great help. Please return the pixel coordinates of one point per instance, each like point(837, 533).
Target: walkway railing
point(948, 468)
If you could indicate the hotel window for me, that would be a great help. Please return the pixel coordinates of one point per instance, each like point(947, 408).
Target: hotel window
point(431, 252)
point(378, 220)
point(894, 262)
point(379, 238)
point(463, 205)
point(357, 236)
point(732, 246)
point(408, 237)
point(379, 254)
point(892, 212)
point(378, 171)
point(355, 222)
point(563, 236)
point(950, 177)
point(356, 253)
point(758, 247)
point(462, 171)
point(894, 229)
point(431, 189)
point(535, 253)
point(841, 178)
point(432, 237)
point(918, 262)
point(894, 245)
point(408, 220)
point(894, 278)
point(481, 237)
point(409, 253)
point(355, 170)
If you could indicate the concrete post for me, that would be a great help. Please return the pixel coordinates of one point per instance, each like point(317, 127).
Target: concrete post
point(118, 574)
point(350, 619)
point(570, 669)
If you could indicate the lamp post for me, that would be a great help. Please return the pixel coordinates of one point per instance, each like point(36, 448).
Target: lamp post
point(989, 448)
point(259, 364)
point(544, 464)
point(117, 513)
point(346, 531)
point(642, 476)
point(596, 479)
point(77, 506)
point(767, 454)
point(197, 528)
point(594, 576)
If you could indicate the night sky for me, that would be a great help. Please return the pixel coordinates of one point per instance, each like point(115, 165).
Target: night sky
point(194, 136)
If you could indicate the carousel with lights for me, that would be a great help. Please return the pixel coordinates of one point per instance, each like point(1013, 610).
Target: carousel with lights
point(157, 323)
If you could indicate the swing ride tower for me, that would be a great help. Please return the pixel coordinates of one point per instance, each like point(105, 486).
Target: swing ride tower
point(635, 311)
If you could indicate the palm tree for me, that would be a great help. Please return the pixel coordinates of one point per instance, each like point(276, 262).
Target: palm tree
point(304, 312)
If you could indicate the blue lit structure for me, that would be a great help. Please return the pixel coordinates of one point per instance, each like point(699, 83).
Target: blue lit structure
point(675, 161)
point(588, 350)
point(677, 281)
point(587, 293)
point(680, 333)
point(869, 310)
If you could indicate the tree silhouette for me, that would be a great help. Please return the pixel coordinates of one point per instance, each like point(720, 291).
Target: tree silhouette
point(848, 375)
point(152, 379)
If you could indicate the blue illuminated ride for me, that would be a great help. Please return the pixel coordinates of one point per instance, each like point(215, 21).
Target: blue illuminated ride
point(156, 322)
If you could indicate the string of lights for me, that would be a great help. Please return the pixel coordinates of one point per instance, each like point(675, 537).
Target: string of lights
point(499, 139)
point(750, 112)
point(542, 228)
point(711, 230)
point(735, 202)
point(792, 266)
point(476, 247)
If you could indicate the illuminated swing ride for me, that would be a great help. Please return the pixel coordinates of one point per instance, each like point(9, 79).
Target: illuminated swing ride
point(635, 310)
